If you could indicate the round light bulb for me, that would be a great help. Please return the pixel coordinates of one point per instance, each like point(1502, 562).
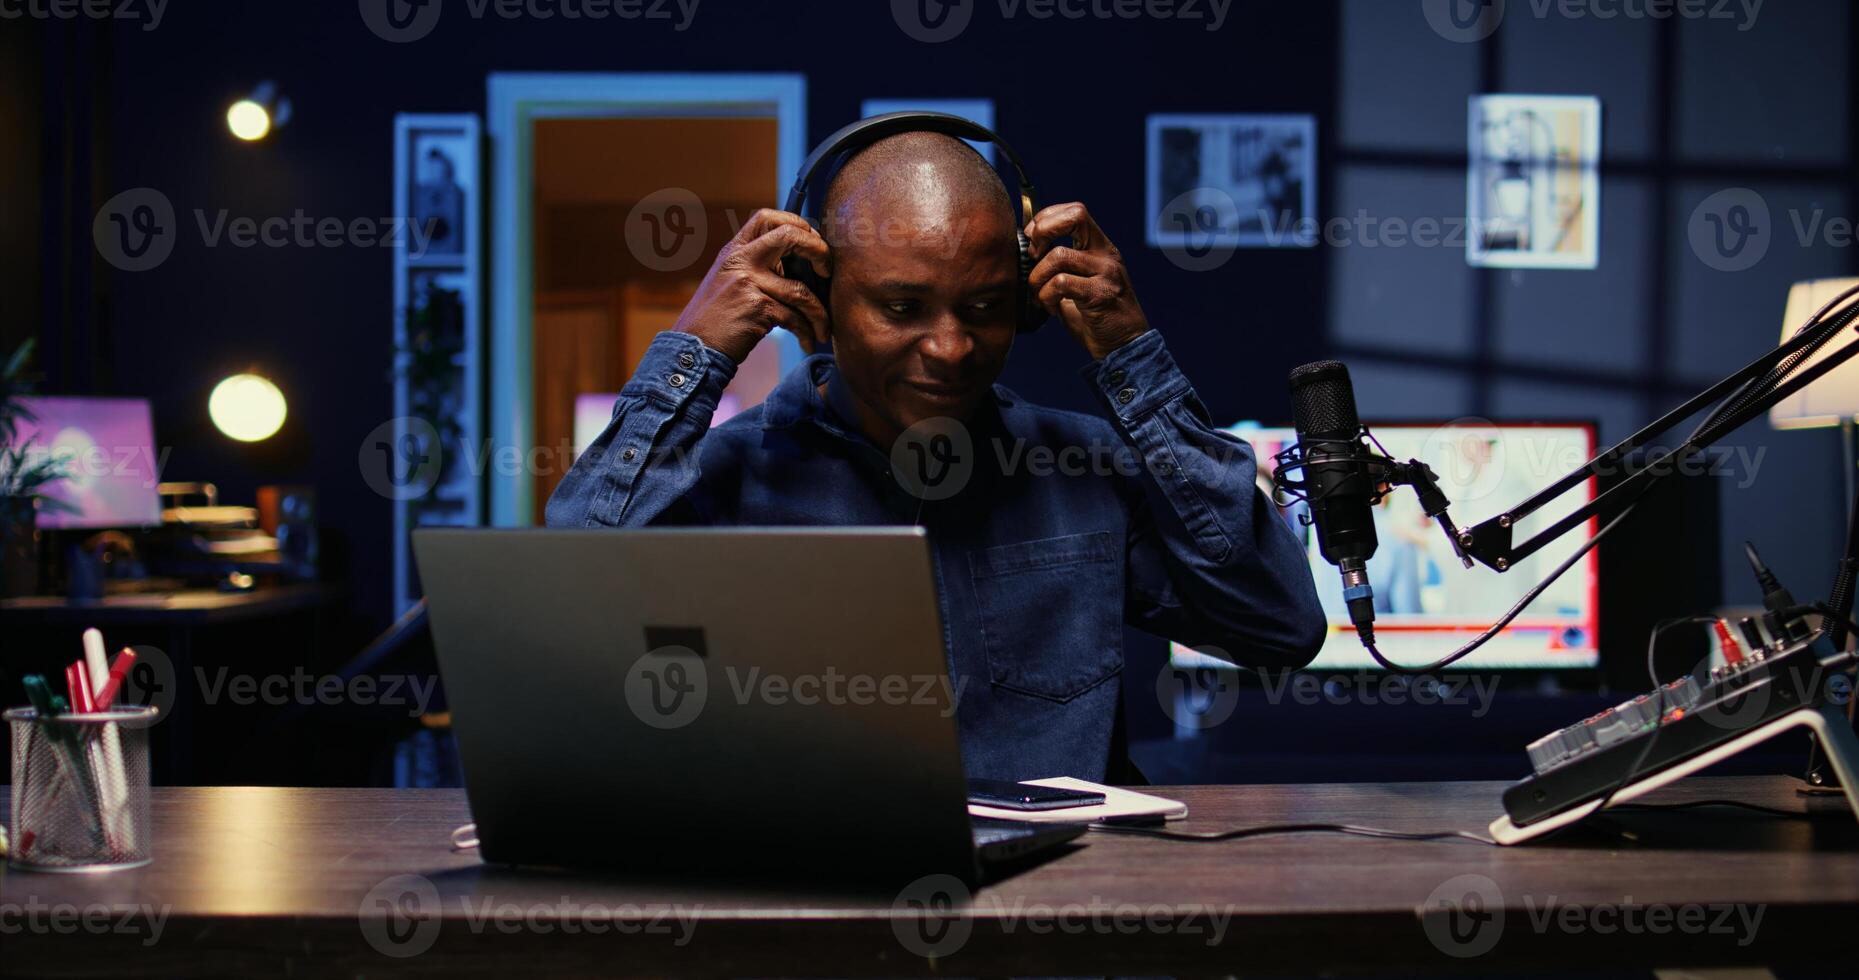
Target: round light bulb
point(248, 120)
point(247, 407)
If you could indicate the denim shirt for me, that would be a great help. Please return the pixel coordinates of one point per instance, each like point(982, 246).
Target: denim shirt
point(1068, 526)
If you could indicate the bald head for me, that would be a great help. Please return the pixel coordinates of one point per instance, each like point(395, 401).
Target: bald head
point(929, 179)
point(925, 291)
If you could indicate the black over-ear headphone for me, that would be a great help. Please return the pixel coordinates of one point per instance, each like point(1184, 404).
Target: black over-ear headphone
point(868, 131)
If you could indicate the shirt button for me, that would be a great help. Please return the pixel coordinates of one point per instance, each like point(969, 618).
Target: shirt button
point(628, 455)
point(687, 360)
point(1116, 377)
point(1126, 396)
point(676, 380)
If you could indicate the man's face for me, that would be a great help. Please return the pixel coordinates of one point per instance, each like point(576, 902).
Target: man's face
point(924, 308)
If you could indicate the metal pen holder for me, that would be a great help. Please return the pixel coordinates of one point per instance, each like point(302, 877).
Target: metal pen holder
point(81, 790)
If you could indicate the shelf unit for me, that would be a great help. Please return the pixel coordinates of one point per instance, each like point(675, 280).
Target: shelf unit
point(426, 459)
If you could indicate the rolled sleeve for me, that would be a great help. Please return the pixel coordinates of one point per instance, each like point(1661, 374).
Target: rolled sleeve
point(1185, 457)
point(640, 463)
point(1210, 560)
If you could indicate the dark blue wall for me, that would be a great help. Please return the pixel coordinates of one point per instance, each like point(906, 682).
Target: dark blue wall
point(1071, 97)
point(1691, 108)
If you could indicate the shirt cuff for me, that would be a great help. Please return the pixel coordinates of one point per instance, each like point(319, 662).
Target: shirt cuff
point(678, 367)
point(1137, 378)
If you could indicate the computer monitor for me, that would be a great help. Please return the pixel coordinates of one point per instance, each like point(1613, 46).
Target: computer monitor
point(1426, 603)
point(107, 448)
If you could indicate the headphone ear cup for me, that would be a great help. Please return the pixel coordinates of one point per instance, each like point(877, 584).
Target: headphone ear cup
point(1032, 315)
point(801, 271)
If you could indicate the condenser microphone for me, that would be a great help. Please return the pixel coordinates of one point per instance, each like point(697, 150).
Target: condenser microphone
point(1341, 480)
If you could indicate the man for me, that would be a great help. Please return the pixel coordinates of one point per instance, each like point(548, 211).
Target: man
point(1057, 529)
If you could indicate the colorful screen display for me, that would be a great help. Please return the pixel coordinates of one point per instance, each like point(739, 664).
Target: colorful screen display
point(105, 447)
point(1426, 603)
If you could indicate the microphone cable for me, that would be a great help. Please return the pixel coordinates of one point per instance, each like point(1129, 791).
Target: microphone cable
point(1801, 345)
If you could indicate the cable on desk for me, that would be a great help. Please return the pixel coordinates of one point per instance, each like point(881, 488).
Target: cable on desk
point(1263, 830)
point(1739, 804)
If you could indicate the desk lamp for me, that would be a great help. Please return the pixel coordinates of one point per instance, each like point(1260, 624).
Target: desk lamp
point(1833, 400)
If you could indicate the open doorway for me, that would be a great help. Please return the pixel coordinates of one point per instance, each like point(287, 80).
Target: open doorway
point(577, 292)
point(601, 294)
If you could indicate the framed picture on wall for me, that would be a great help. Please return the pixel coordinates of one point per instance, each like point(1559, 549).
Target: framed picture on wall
point(444, 166)
point(1231, 181)
point(1533, 195)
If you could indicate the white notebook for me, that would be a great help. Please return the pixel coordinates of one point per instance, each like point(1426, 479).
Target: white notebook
point(1119, 804)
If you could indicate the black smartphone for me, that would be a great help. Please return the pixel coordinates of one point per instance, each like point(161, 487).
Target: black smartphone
point(1021, 796)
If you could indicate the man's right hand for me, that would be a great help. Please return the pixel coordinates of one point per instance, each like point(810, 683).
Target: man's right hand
point(744, 295)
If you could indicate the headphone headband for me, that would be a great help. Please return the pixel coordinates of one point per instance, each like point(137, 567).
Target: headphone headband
point(865, 132)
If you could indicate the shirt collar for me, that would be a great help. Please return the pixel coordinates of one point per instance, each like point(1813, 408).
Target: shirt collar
point(797, 397)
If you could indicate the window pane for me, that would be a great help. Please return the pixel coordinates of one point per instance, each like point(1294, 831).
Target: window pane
point(1727, 314)
point(1399, 392)
point(1586, 319)
point(1616, 64)
point(1620, 411)
point(1403, 87)
point(1775, 93)
point(1399, 291)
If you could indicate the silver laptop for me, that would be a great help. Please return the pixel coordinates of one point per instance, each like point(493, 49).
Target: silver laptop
point(746, 702)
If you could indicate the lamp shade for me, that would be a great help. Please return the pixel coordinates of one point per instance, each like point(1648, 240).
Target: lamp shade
point(1835, 396)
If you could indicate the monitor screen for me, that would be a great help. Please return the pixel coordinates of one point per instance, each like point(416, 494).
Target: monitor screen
point(1426, 603)
point(106, 448)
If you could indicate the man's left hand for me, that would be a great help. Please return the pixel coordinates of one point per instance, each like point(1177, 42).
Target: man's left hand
point(1086, 284)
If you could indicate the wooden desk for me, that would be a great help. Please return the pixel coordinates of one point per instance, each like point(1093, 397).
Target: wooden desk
point(267, 880)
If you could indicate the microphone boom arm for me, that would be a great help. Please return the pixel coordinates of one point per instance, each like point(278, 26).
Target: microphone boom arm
point(1491, 541)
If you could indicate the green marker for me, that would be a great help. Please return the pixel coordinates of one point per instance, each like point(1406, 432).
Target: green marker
point(65, 744)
